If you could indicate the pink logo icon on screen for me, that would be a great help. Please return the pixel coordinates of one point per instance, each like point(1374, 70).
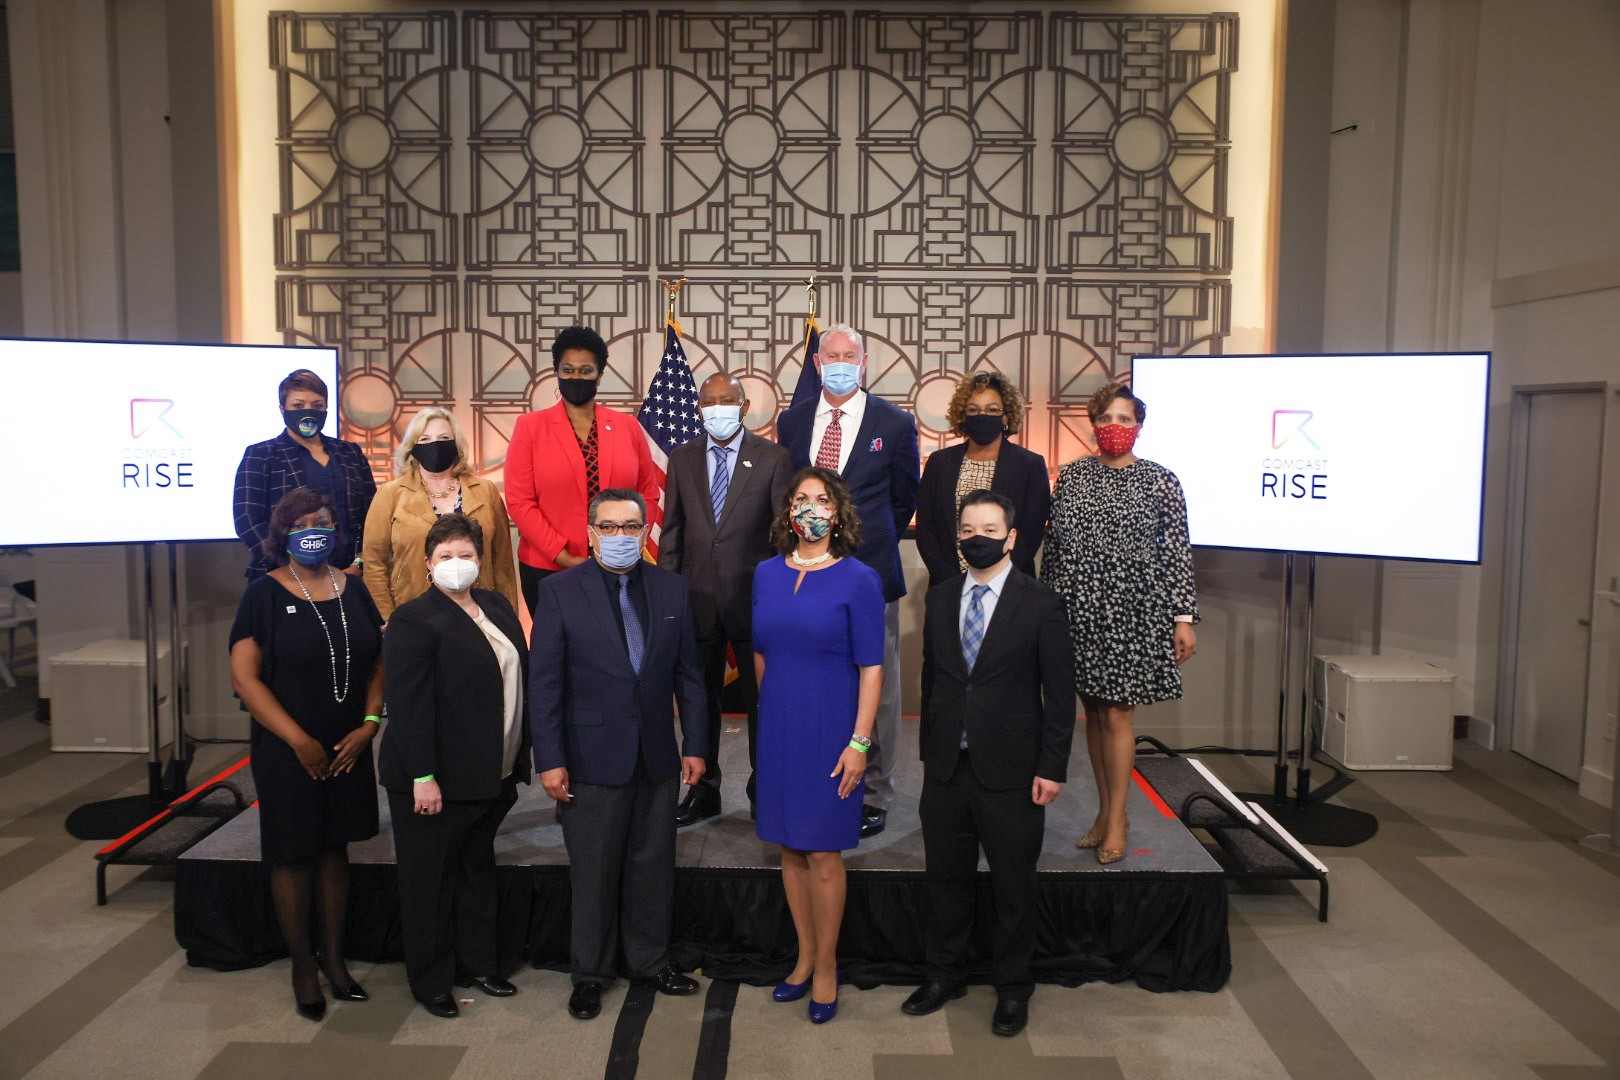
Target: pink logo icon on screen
point(146, 413)
point(1286, 423)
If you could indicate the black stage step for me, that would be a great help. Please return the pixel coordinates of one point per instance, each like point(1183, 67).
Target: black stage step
point(173, 831)
point(1252, 845)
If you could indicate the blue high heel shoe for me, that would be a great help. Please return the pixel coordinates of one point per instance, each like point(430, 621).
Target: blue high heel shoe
point(786, 991)
point(820, 1014)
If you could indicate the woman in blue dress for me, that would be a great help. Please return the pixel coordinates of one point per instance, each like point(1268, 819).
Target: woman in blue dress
point(818, 656)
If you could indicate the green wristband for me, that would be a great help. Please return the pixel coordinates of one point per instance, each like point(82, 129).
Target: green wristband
point(857, 747)
point(374, 720)
point(422, 779)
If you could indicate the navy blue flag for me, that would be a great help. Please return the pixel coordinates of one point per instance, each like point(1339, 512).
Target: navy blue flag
point(808, 387)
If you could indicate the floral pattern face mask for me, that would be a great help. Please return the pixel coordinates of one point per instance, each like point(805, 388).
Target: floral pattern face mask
point(809, 523)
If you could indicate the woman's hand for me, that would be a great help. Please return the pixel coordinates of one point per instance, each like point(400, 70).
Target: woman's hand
point(428, 800)
point(312, 756)
point(1186, 642)
point(851, 766)
point(566, 559)
point(353, 745)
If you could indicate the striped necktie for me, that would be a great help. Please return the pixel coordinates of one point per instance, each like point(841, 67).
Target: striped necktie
point(721, 482)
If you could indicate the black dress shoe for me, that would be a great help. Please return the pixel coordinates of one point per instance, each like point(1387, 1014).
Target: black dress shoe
point(444, 1007)
point(931, 996)
point(1012, 1013)
point(873, 820)
point(701, 803)
point(492, 986)
point(352, 992)
point(585, 1003)
point(669, 981)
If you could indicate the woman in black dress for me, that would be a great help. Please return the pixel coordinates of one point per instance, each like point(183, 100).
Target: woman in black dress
point(1119, 555)
point(457, 747)
point(305, 660)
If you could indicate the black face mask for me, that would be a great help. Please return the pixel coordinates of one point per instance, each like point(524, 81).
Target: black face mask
point(983, 552)
point(304, 422)
point(435, 457)
point(577, 391)
point(984, 429)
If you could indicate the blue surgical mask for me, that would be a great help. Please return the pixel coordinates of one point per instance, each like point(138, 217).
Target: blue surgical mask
point(722, 421)
point(841, 378)
point(619, 552)
point(311, 547)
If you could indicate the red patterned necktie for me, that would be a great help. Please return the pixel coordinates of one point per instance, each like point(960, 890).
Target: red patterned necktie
point(831, 442)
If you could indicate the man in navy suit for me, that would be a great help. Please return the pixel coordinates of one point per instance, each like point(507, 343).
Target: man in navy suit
point(873, 445)
point(614, 649)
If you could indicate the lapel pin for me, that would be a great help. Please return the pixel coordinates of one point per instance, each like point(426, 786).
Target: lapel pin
point(877, 444)
point(748, 464)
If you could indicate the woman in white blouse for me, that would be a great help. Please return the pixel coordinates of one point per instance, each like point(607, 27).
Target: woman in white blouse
point(454, 751)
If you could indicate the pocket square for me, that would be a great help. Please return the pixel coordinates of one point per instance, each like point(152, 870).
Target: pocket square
point(877, 444)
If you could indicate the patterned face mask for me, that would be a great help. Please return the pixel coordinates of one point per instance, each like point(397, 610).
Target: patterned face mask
point(808, 523)
point(1116, 440)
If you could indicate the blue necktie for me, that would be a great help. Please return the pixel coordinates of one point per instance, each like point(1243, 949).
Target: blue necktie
point(722, 480)
point(973, 626)
point(634, 643)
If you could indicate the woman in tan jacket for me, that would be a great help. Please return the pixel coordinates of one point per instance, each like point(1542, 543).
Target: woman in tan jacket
point(433, 478)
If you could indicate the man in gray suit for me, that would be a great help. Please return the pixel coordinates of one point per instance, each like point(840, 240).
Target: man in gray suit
point(721, 491)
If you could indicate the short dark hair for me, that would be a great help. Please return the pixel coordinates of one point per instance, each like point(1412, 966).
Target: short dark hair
point(294, 505)
point(982, 497)
point(606, 495)
point(578, 337)
point(846, 535)
point(1105, 397)
point(302, 379)
point(450, 527)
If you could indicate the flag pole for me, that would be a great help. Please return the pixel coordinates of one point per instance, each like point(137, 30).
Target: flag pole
point(672, 288)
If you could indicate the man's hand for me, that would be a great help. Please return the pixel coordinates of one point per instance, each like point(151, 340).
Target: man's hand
point(1044, 791)
point(555, 781)
point(691, 770)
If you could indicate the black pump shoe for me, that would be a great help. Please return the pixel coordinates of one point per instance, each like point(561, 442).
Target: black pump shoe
point(352, 992)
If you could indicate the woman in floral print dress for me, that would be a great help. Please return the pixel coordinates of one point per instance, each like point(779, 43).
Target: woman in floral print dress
point(1118, 553)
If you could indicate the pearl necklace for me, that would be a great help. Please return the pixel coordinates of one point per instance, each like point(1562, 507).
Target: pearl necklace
point(817, 561)
point(331, 649)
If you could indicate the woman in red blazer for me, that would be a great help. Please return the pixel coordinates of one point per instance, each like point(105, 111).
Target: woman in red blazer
point(560, 457)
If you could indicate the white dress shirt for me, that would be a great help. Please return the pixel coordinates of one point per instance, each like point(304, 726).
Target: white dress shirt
point(512, 683)
point(996, 584)
point(848, 424)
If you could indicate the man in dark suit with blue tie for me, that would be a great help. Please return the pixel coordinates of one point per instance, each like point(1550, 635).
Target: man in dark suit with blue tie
point(997, 725)
point(613, 650)
point(873, 446)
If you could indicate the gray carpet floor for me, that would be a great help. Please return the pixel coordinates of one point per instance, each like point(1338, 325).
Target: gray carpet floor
point(1472, 938)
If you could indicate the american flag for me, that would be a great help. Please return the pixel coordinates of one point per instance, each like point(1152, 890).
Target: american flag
point(808, 388)
point(669, 414)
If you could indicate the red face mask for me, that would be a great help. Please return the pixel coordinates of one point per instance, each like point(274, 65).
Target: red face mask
point(1116, 440)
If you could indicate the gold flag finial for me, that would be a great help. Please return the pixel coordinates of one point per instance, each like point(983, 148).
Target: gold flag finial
point(673, 287)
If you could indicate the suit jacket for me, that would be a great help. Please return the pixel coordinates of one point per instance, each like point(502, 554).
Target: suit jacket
point(272, 468)
point(396, 532)
point(545, 478)
point(1020, 475)
point(717, 559)
point(446, 701)
point(881, 473)
point(1017, 703)
point(590, 712)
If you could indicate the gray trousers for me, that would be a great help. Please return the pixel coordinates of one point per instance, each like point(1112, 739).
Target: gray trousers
point(886, 750)
point(621, 854)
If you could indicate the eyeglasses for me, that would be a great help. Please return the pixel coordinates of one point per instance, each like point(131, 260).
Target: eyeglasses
point(992, 410)
point(611, 529)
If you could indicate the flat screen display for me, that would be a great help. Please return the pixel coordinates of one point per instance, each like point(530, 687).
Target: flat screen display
point(140, 442)
point(1374, 455)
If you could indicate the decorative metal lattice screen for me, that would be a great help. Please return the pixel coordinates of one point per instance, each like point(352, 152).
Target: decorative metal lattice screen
point(1044, 194)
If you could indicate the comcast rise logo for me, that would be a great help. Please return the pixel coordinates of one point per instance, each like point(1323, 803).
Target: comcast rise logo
point(1294, 477)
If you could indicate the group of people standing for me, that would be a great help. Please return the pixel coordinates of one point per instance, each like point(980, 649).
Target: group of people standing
point(782, 557)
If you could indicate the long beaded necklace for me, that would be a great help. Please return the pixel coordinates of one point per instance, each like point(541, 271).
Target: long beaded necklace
point(331, 649)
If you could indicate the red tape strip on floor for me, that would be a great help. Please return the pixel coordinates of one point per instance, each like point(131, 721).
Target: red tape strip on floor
point(1153, 796)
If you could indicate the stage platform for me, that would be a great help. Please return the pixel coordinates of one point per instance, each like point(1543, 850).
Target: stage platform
point(1158, 917)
